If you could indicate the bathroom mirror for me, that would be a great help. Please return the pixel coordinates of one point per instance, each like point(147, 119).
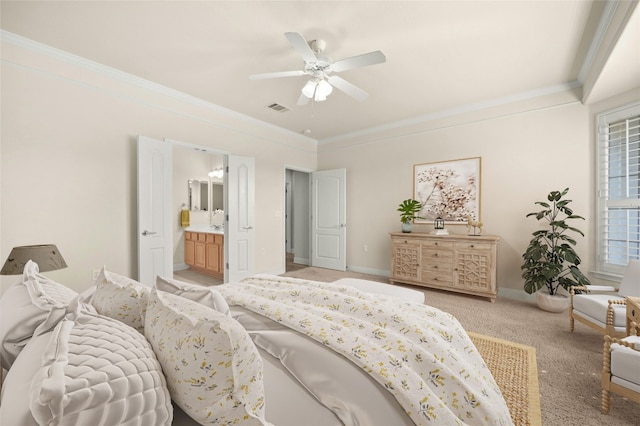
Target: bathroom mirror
point(199, 195)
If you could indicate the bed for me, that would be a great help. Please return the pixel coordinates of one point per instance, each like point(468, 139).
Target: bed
point(267, 350)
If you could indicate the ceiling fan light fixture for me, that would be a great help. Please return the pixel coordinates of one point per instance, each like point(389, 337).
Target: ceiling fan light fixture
point(309, 88)
point(324, 89)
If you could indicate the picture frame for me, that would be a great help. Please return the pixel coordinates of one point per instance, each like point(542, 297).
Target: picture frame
point(449, 190)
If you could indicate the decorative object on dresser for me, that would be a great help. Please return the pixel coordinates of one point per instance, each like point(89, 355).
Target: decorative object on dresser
point(476, 225)
point(459, 263)
point(449, 190)
point(438, 227)
point(550, 261)
point(601, 308)
point(409, 209)
point(204, 252)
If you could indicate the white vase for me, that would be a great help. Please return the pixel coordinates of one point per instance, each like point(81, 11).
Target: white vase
point(406, 227)
point(556, 303)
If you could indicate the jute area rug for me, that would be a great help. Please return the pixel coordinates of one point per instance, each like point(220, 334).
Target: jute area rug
point(515, 370)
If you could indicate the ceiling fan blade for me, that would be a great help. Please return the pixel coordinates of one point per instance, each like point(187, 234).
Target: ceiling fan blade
point(276, 74)
point(301, 46)
point(303, 100)
point(363, 60)
point(348, 88)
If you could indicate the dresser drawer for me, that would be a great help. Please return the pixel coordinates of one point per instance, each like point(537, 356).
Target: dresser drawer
point(441, 245)
point(442, 266)
point(433, 255)
point(470, 245)
point(445, 279)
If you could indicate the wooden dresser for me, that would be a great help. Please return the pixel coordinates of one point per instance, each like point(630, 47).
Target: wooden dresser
point(204, 252)
point(461, 263)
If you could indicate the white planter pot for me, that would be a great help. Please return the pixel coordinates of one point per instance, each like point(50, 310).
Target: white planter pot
point(555, 303)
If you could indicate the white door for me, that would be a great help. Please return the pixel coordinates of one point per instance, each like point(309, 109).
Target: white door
point(155, 241)
point(329, 219)
point(240, 243)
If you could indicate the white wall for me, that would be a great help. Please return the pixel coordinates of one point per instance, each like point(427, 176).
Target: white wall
point(528, 149)
point(67, 127)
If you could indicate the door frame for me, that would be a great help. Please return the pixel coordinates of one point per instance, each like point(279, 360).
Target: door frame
point(205, 150)
point(284, 239)
point(286, 219)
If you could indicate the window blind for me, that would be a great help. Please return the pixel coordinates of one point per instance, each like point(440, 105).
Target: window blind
point(618, 211)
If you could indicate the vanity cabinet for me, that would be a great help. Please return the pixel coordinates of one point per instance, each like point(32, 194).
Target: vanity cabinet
point(204, 252)
point(461, 263)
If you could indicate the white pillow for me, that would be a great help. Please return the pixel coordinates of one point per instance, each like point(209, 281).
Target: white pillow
point(96, 370)
point(14, 408)
point(29, 308)
point(207, 296)
point(120, 298)
point(213, 369)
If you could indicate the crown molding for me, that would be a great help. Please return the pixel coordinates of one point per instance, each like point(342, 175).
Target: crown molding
point(462, 109)
point(75, 60)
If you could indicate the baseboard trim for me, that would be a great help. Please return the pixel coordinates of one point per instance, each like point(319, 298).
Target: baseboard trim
point(180, 266)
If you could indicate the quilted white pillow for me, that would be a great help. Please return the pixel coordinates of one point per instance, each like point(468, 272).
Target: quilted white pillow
point(213, 369)
point(29, 308)
point(96, 370)
point(207, 296)
point(121, 298)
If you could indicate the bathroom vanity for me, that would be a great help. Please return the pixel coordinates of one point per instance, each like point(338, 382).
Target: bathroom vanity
point(204, 250)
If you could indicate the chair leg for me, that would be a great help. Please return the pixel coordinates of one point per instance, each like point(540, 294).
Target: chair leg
point(605, 401)
point(606, 374)
point(571, 321)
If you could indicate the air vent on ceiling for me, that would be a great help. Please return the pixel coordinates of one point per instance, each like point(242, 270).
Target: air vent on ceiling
point(278, 107)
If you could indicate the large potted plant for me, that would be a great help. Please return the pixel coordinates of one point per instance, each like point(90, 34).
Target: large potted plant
point(550, 261)
point(409, 210)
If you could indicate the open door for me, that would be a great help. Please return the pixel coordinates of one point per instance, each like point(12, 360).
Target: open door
point(155, 240)
point(239, 245)
point(329, 219)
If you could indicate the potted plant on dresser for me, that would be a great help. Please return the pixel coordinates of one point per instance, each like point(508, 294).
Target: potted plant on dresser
point(550, 261)
point(409, 210)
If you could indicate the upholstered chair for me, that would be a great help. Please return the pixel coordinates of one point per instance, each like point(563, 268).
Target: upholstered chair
point(601, 308)
point(621, 368)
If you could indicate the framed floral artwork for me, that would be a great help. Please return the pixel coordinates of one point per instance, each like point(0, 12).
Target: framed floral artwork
point(449, 190)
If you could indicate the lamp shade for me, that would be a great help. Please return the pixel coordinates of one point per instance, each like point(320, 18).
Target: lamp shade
point(47, 256)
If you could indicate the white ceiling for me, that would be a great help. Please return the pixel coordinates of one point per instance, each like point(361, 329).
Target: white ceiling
point(441, 55)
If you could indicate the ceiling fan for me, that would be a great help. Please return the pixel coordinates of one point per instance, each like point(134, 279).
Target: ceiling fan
point(321, 67)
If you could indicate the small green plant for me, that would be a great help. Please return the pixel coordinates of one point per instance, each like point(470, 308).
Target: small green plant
point(550, 260)
point(409, 210)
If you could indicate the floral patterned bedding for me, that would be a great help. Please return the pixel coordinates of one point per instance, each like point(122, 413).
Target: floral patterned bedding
point(421, 355)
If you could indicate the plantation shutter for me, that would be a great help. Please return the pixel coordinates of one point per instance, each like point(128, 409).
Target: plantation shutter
point(618, 210)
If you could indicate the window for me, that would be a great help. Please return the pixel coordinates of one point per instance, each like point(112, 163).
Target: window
point(618, 197)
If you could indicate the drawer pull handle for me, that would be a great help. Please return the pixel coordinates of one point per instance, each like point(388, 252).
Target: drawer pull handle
point(471, 246)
